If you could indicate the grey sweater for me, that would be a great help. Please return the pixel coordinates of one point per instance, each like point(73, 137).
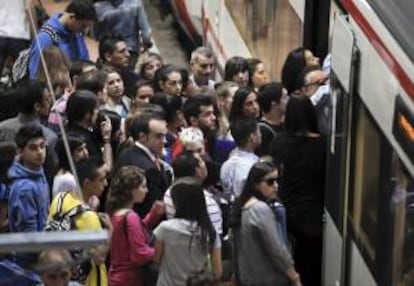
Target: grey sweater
point(262, 256)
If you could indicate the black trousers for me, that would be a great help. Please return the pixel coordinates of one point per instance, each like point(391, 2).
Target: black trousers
point(307, 252)
point(10, 47)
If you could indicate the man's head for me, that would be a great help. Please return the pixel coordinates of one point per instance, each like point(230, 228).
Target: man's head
point(246, 133)
point(31, 146)
point(80, 15)
point(82, 107)
point(150, 132)
point(93, 81)
point(189, 164)
point(55, 267)
point(202, 65)
point(192, 139)
point(272, 97)
point(92, 174)
point(199, 112)
point(114, 51)
point(34, 99)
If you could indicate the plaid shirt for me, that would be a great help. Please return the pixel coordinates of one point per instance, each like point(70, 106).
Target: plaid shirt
point(58, 112)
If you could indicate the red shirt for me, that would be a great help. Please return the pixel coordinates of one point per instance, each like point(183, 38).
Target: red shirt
point(128, 253)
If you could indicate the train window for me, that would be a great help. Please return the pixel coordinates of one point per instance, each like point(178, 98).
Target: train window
point(398, 17)
point(337, 155)
point(271, 29)
point(403, 225)
point(366, 183)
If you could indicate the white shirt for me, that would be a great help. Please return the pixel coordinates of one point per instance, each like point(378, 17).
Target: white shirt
point(213, 209)
point(234, 172)
point(13, 20)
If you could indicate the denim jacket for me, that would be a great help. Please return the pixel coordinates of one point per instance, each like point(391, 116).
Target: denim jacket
point(126, 18)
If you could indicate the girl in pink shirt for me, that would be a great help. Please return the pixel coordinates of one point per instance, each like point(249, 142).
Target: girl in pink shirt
point(130, 243)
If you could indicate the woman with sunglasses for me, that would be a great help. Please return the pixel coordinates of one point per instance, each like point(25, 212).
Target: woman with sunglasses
point(260, 252)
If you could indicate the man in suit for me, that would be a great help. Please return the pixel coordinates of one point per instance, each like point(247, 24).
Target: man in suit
point(149, 134)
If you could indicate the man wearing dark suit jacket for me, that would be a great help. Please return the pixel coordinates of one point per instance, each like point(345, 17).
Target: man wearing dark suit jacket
point(149, 136)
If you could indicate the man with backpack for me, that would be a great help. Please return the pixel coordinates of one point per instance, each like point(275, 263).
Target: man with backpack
point(76, 212)
point(64, 30)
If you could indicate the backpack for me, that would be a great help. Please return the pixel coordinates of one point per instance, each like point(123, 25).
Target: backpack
point(20, 68)
point(65, 222)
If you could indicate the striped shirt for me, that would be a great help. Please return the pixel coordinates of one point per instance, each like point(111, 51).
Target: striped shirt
point(213, 209)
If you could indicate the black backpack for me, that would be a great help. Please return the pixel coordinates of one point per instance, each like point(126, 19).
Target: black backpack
point(20, 68)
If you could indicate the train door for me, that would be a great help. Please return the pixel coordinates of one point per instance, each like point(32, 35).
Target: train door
point(343, 73)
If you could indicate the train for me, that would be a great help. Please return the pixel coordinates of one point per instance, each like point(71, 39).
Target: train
point(369, 198)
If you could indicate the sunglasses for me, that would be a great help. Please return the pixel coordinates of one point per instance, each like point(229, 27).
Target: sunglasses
point(271, 181)
point(59, 275)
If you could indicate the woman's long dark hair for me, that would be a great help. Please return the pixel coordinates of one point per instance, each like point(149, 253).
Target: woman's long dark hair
point(256, 174)
point(123, 182)
point(236, 111)
point(292, 69)
point(188, 198)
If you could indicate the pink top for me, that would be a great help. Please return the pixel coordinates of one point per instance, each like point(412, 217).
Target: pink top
point(127, 253)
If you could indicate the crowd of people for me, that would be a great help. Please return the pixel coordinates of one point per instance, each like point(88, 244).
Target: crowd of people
point(198, 181)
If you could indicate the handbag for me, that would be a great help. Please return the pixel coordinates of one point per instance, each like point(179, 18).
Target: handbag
point(149, 270)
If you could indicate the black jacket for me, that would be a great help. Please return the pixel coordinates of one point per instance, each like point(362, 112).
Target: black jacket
point(157, 181)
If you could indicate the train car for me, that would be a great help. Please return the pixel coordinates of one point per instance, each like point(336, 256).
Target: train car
point(369, 200)
point(369, 194)
point(266, 29)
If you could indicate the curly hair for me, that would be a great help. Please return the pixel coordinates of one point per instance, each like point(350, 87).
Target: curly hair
point(124, 181)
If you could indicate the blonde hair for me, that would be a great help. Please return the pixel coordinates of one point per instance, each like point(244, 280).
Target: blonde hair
point(58, 67)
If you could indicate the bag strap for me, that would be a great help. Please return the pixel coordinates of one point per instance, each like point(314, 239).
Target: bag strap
point(262, 124)
point(52, 33)
point(125, 224)
point(71, 212)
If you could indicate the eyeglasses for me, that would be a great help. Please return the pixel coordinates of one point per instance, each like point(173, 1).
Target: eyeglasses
point(271, 181)
point(59, 275)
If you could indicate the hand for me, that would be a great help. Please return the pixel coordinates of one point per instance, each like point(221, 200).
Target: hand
point(94, 203)
point(297, 282)
point(106, 221)
point(106, 129)
point(99, 254)
point(158, 208)
point(147, 45)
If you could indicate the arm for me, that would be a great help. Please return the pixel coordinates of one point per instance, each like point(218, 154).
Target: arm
point(159, 250)
point(156, 212)
point(140, 252)
point(23, 212)
point(272, 240)
point(215, 258)
point(144, 26)
point(90, 221)
point(34, 60)
point(159, 243)
point(106, 129)
point(83, 49)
